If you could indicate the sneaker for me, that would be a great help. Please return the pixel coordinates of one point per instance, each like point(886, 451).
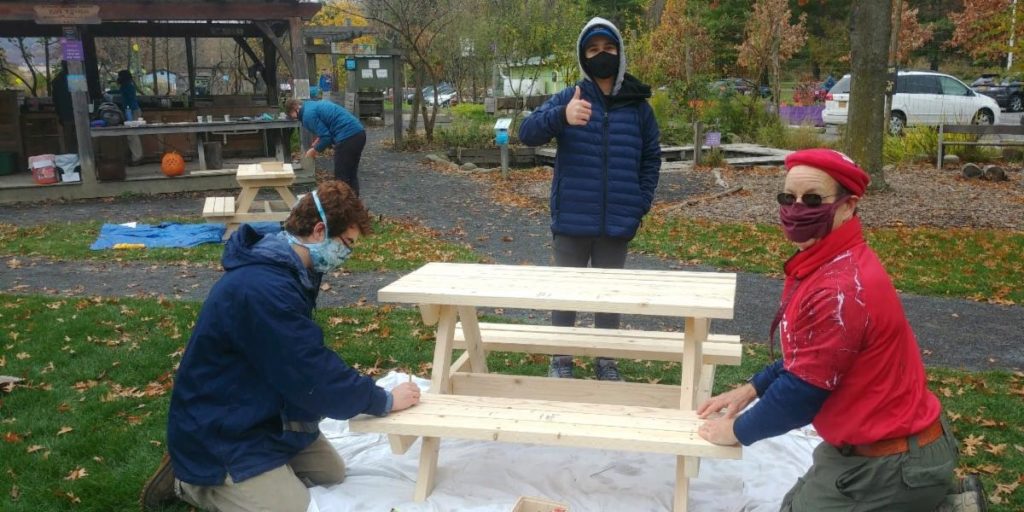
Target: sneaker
point(970, 498)
point(606, 369)
point(159, 489)
point(561, 367)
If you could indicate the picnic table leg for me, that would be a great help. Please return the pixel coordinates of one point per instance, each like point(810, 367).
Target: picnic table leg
point(474, 345)
point(200, 153)
point(696, 334)
point(286, 195)
point(439, 383)
point(245, 198)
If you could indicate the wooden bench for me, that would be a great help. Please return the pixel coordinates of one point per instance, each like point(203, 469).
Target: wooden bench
point(518, 420)
point(468, 401)
point(980, 131)
point(219, 208)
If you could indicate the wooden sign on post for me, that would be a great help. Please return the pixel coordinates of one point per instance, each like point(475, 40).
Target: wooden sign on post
point(67, 14)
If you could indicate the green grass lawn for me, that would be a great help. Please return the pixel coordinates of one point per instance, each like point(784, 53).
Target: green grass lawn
point(978, 264)
point(395, 245)
point(85, 428)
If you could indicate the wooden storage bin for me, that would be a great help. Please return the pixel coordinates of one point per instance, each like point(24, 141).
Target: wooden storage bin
point(530, 504)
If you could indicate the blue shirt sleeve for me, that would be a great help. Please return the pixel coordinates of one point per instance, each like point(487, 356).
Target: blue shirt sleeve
point(787, 403)
point(547, 122)
point(765, 377)
point(389, 404)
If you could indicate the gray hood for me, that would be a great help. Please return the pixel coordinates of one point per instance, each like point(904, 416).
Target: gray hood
point(622, 50)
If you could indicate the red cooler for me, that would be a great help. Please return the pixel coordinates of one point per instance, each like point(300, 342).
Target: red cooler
point(44, 169)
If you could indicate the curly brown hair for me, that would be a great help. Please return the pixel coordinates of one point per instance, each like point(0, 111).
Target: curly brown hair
point(341, 205)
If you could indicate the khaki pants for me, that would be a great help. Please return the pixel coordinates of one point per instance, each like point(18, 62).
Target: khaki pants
point(915, 481)
point(282, 489)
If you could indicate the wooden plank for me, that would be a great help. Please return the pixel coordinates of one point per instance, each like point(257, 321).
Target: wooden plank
point(190, 127)
point(697, 331)
point(259, 217)
point(401, 444)
point(443, 350)
point(995, 129)
point(267, 208)
point(461, 364)
point(471, 339)
point(565, 390)
point(649, 292)
point(245, 198)
point(680, 500)
point(429, 313)
point(179, 11)
point(287, 196)
point(706, 384)
point(428, 468)
point(592, 342)
point(209, 207)
point(553, 423)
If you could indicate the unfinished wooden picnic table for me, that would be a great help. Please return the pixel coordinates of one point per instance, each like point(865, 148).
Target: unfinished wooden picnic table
point(252, 178)
point(467, 401)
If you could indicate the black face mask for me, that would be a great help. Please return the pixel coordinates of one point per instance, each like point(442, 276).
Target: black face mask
point(603, 65)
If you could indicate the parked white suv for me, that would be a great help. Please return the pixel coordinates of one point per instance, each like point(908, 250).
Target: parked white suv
point(922, 98)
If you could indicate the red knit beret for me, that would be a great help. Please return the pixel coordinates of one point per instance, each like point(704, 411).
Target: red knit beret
point(837, 165)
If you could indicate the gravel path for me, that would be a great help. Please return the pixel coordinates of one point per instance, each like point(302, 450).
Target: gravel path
point(952, 332)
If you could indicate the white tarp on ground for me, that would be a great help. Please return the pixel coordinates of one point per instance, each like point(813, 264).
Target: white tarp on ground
point(476, 476)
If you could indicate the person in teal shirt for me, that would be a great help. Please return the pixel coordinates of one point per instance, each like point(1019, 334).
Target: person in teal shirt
point(333, 126)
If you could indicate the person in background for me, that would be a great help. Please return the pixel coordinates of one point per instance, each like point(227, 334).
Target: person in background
point(333, 126)
point(850, 364)
point(130, 98)
point(256, 378)
point(326, 82)
point(65, 109)
point(606, 168)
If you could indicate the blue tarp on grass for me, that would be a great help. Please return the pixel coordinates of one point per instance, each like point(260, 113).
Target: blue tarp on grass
point(168, 234)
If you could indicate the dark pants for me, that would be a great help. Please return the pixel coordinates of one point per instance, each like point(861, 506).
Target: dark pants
point(346, 159)
point(597, 252)
point(915, 481)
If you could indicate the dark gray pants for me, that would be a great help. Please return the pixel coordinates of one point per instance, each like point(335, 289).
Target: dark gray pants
point(597, 252)
point(915, 481)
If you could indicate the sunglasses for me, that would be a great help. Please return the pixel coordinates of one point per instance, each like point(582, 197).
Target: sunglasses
point(787, 199)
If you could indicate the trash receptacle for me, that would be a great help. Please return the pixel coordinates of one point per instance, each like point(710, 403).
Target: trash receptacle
point(110, 159)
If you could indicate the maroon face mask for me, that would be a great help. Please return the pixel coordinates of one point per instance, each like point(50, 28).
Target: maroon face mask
point(801, 223)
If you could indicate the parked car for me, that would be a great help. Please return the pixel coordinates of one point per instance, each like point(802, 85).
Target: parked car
point(727, 86)
point(1007, 91)
point(446, 95)
point(922, 98)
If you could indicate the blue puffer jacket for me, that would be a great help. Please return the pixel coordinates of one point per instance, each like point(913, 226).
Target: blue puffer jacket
point(329, 121)
point(256, 377)
point(607, 170)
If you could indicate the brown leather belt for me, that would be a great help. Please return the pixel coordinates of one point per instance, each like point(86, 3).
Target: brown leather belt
point(885, 447)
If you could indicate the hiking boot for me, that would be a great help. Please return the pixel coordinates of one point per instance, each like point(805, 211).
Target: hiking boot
point(971, 497)
point(561, 367)
point(606, 369)
point(159, 489)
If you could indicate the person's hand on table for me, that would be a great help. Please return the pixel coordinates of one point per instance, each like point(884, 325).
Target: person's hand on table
point(732, 401)
point(404, 396)
point(718, 431)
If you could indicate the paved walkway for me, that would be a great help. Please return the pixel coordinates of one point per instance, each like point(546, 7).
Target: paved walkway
point(952, 332)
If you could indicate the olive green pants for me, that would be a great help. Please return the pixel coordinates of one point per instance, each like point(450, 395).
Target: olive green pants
point(281, 489)
point(915, 481)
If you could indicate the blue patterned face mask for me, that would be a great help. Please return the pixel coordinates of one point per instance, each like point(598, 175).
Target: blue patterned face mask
point(328, 254)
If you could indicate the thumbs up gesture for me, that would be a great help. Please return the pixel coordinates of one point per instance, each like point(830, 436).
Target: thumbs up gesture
point(577, 112)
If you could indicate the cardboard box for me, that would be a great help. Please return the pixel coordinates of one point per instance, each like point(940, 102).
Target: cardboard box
point(530, 504)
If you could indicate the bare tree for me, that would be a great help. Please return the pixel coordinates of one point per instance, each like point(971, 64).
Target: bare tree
point(26, 49)
point(415, 26)
point(870, 29)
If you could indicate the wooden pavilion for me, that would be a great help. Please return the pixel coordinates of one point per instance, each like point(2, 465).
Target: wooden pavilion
point(276, 23)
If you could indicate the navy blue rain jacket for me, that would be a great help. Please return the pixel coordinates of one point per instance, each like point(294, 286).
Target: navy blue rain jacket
point(329, 121)
point(256, 377)
point(606, 171)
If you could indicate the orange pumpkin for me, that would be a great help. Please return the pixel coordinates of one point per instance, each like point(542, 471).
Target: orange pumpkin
point(172, 164)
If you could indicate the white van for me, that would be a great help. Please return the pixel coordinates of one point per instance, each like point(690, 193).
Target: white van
point(922, 98)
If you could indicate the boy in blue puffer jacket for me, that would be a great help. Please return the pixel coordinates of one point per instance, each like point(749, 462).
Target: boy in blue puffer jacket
point(606, 168)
